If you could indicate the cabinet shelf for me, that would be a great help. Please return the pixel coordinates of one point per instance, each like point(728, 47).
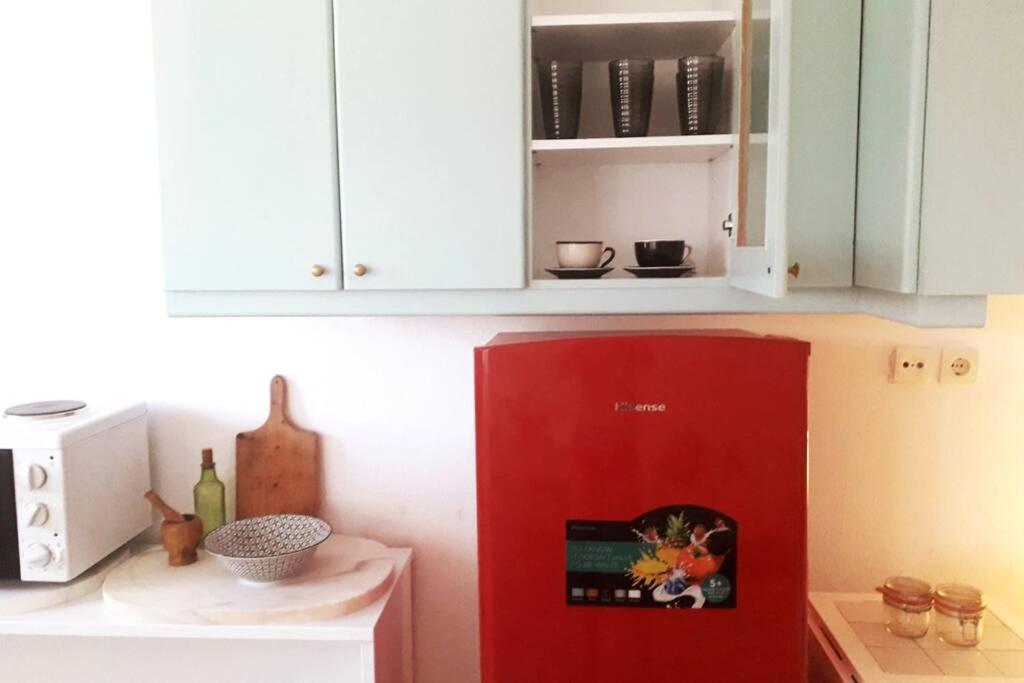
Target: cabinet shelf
point(608, 282)
point(651, 150)
point(603, 37)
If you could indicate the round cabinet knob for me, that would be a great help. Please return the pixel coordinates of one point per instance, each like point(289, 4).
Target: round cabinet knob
point(794, 269)
point(318, 270)
point(359, 270)
point(36, 477)
point(37, 555)
point(36, 514)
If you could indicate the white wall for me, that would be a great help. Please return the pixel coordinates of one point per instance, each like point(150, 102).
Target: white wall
point(921, 479)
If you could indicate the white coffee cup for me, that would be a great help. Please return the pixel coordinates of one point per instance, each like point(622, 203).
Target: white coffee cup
point(583, 254)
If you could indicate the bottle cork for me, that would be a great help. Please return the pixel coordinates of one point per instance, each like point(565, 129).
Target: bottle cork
point(207, 458)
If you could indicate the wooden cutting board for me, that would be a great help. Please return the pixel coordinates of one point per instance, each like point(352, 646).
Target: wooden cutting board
point(277, 467)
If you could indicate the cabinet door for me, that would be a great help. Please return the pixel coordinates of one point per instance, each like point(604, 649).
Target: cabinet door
point(894, 67)
point(941, 151)
point(432, 143)
point(798, 144)
point(971, 198)
point(757, 254)
point(821, 170)
point(245, 104)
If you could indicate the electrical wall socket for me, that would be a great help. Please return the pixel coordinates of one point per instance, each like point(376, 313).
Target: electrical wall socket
point(910, 365)
point(959, 366)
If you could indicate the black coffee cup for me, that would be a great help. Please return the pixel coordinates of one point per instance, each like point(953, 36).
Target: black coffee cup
point(661, 253)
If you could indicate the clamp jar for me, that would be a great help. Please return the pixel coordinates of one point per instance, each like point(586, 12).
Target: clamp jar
point(907, 604)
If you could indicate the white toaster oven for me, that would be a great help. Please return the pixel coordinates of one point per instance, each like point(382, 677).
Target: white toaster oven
point(71, 488)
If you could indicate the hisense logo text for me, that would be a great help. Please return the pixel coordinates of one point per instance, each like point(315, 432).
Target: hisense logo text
point(625, 407)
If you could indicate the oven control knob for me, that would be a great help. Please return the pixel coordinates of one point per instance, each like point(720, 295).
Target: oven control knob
point(36, 477)
point(37, 555)
point(36, 514)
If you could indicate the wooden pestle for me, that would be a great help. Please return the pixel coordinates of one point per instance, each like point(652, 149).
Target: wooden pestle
point(169, 513)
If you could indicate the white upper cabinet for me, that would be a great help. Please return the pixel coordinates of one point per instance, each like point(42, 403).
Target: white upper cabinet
point(247, 144)
point(432, 143)
point(402, 157)
point(941, 149)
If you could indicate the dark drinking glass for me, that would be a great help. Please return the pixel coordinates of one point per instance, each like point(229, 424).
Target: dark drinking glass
point(632, 87)
point(561, 88)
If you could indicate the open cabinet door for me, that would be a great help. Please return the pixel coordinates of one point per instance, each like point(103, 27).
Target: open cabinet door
point(757, 251)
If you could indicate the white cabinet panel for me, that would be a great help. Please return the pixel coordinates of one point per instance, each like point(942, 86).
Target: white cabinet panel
point(894, 67)
point(821, 183)
point(941, 148)
point(431, 119)
point(245, 98)
point(972, 204)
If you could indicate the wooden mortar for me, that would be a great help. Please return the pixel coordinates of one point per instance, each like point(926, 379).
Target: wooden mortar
point(181, 539)
point(180, 534)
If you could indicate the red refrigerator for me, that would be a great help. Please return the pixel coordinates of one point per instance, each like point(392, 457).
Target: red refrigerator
point(642, 507)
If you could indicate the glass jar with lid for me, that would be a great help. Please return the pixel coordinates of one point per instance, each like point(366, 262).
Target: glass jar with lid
point(907, 604)
point(959, 614)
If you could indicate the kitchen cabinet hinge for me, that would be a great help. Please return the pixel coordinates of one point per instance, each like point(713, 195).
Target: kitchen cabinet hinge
point(729, 225)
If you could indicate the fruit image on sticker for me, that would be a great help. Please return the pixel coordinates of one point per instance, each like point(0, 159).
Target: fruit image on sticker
point(681, 556)
point(649, 571)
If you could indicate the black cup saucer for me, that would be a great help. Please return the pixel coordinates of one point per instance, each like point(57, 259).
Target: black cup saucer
point(685, 270)
point(579, 273)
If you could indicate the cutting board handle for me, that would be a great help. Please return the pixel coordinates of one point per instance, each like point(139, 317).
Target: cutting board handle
point(278, 400)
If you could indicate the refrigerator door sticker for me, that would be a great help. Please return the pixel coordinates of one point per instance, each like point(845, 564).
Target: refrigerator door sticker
point(680, 556)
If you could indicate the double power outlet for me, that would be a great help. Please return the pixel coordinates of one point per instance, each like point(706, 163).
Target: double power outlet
point(917, 364)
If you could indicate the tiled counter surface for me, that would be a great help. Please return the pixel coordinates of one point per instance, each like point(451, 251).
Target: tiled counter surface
point(855, 624)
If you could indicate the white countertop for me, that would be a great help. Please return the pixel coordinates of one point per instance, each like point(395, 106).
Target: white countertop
point(87, 616)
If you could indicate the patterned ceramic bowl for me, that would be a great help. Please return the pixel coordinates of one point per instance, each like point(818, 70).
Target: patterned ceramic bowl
point(268, 548)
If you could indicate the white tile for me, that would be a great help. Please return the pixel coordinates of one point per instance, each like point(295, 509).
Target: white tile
point(963, 663)
point(931, 642)
point(875, 635)
point(862, 612)
point(997, 636)
point(900, 660)
point(1010, 663)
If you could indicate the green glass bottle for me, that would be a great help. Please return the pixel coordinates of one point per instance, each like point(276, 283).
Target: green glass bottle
point(209, 495)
